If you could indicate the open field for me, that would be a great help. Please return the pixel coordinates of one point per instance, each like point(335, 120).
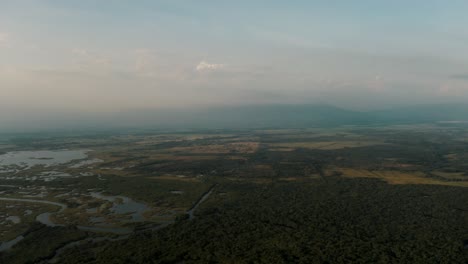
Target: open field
point(326, 145)
point(237, 147)
point(398, 177)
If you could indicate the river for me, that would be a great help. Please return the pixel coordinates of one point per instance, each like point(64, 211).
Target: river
point(123, 233)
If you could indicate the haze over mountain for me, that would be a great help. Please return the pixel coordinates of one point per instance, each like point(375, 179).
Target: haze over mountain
point(240, 117)
point(80, 60)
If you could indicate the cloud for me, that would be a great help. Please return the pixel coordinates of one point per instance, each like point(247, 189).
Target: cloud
point(204, 66)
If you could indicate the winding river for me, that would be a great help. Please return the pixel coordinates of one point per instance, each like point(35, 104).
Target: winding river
point(43, 218)
point(123, 233)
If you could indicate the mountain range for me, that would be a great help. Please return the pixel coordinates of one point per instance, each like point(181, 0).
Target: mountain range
point(241, 117)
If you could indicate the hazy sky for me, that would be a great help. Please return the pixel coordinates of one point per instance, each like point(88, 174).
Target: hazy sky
point(108, 55)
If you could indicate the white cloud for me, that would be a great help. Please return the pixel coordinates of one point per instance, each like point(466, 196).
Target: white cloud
point(204, 66)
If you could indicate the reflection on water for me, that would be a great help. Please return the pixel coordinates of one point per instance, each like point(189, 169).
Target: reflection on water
point(120, 205)
point(28, 159)
point(85, 163)
point(14, 219)
point(9, 244)
point(124, 205)
point(97, 219)
point(45, 219)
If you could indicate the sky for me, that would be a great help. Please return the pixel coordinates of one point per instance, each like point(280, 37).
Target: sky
point(116, 55)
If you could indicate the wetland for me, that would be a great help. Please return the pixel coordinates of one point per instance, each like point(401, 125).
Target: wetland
point(395, 194)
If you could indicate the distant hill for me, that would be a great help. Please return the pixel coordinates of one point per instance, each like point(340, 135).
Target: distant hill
point(294, 116)
point(277, 116)
point(423, 114)
point(239, 117)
